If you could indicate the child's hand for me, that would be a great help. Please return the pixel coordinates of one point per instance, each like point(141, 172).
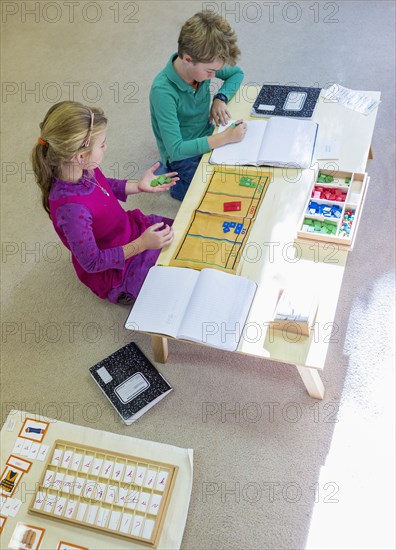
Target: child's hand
point(236, 132)
point(149, 176)
point(219, 114)
point(154, 237)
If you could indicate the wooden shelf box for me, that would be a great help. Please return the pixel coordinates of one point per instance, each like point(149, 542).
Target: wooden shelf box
point(344, 197)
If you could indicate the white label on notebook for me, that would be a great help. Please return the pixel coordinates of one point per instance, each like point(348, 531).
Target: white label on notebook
point(105, 375)
point(295, 101)
point(263, 107)
point(131, 387)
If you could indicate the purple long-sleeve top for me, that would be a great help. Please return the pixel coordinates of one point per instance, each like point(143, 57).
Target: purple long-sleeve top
point(92, 224)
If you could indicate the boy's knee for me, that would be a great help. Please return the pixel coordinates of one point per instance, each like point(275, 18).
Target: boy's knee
point(179, 190)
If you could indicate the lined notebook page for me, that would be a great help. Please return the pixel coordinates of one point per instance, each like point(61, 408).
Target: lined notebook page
point(162, 300)
point(218, 309)
point(243, 152)
point(288, 141)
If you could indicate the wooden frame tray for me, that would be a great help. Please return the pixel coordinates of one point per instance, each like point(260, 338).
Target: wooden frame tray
point(116, 494)
point(355, 194)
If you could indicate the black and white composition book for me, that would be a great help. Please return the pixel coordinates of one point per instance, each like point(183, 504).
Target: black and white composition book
point(130, 382)
point(290, 101)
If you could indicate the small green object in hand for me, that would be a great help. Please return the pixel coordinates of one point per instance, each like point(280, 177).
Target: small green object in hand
point(160, 181)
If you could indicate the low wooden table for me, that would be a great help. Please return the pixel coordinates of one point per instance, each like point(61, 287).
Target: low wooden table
point(271, 256)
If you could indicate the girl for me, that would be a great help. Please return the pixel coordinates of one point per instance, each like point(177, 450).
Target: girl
point(112, 249)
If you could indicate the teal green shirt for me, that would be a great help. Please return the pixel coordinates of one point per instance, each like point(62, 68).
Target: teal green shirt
point(180, 113)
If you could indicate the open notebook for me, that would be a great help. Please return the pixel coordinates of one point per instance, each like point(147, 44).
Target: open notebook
point(208, 306)
point(279, 141)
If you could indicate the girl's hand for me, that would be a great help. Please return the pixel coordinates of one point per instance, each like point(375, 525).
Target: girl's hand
point(144, 184)
point(219, 114)
point(236, 132)
point(157, 236)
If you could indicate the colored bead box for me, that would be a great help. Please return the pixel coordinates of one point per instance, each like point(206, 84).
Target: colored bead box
point(332, 211)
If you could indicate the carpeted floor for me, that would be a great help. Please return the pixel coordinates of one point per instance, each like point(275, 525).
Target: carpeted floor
point(273, 468)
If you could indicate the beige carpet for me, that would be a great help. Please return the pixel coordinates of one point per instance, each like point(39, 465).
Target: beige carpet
point(273, 468)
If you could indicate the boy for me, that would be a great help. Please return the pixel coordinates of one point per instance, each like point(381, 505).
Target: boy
point(180, 96)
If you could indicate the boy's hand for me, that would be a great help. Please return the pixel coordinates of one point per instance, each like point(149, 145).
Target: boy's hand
point(154, 237)
point(219, 114)
point(144, 184)
point(236, 132)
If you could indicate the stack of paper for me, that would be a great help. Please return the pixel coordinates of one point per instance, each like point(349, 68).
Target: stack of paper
point(351, 99)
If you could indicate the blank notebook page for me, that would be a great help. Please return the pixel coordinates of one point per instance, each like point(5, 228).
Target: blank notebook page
point(288, 140)
point(245, 151)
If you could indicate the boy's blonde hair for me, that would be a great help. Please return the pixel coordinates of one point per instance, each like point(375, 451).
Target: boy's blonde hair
point(206, 36)
point(64, 130)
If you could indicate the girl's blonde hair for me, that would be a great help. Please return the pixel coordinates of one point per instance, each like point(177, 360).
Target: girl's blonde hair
point(206, 36)
point(65, 131)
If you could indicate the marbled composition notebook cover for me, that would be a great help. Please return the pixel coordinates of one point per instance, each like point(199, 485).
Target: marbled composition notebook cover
point(130, 381)
point(291, 101)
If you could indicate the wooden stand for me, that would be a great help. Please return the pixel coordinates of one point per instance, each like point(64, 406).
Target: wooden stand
point(160, 348)
point(312, 382)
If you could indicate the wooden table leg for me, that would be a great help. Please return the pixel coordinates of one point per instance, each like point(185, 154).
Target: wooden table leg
point(160, 348)
point(312, 382)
